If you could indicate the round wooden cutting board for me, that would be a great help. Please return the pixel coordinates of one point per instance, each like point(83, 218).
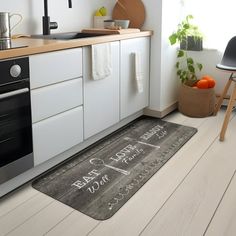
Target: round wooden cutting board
point(132, 10)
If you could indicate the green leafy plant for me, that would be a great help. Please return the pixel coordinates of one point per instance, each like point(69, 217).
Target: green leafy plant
point(185, 65)
point(185, 29)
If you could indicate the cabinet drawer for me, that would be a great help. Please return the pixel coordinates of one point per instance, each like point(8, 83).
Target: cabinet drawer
point(54, 67)
point(57, 134)
point(54, 99)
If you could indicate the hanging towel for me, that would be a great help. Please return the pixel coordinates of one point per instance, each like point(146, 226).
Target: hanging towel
point(101, 61)
point(138, 72)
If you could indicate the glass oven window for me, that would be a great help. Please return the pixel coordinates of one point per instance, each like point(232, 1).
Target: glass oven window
point(15, 128)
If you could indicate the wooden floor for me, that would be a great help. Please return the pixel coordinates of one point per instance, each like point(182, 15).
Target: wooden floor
point(194, 193)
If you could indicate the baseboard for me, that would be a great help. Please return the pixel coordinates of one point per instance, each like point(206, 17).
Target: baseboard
point(160, 114)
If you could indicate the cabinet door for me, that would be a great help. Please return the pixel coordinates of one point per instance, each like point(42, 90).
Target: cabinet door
point(57, 134)
point(101, 97)
point(131, 99)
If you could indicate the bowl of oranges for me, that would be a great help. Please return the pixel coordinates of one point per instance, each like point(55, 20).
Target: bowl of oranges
point(198, 100)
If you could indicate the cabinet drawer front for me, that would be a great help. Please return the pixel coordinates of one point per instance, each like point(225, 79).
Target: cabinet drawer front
point(57, 134)
point(54, 67)
point(54, 99)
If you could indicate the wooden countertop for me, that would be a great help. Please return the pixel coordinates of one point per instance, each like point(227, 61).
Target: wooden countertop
point(36, 46)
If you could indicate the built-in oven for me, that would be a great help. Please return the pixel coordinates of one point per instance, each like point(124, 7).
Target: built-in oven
point(16, 148)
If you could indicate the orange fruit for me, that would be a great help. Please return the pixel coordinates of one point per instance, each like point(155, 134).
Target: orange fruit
point(202, 84)
point(207, 77)
point(211, 81)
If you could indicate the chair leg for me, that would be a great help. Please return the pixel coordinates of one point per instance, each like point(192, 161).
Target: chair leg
point(228, 113)
point(220, 100)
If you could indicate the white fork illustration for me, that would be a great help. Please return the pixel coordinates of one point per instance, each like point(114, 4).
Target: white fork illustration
point(99, 162)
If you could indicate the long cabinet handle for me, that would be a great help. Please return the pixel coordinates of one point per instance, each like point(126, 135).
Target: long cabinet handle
point(14, 93)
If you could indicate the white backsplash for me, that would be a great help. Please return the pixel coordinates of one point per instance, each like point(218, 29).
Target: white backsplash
point(69, 19)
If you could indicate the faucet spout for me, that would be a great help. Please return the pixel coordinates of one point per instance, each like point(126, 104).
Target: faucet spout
point(70, 3)
point(47, 24)
point(45, 7)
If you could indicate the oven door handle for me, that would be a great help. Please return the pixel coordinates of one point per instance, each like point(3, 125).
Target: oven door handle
point(14, 93)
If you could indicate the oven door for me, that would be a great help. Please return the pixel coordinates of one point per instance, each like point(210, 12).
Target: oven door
point(15, 130)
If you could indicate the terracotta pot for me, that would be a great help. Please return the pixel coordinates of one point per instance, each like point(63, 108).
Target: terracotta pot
point(196, 102)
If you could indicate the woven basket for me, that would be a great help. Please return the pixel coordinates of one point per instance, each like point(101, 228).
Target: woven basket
point(195, 102)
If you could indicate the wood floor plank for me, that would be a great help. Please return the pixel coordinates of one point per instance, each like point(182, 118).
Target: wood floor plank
point(23, 212)
point(14, 199)
point(195, 122)
point(190, 208)
point(43, 221)
point(136, 213)
point(224, 221)
point(179, 118)
point(175, 117)
point(73, 225)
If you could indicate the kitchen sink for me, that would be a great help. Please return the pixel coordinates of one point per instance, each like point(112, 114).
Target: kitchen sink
point(67, 36)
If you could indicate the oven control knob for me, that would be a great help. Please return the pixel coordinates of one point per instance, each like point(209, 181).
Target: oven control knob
point(15, 71)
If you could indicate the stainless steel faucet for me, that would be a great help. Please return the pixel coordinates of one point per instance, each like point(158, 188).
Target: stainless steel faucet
point(47, 24)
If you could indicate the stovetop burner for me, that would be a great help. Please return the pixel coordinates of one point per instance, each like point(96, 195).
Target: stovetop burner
point(8, 44)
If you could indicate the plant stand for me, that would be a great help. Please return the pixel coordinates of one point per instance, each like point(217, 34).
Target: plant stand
point(195, 102)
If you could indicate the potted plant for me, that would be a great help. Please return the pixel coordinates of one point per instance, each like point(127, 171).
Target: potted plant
point(192, 100)
point(185, 65)
point(188, 35)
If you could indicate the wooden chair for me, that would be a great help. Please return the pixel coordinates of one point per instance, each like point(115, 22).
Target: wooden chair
point(228, 64)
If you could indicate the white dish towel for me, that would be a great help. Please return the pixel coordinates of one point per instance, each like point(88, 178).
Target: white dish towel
point(138, 72)
point(101, 61)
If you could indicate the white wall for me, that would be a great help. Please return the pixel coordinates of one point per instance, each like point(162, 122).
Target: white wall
point(153, 22)
point(69, 19)
point(171, 13)
point(162, 17)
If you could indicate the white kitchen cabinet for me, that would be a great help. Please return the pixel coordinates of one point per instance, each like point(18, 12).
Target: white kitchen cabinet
point(54, 67)
point(68, 106)
point(131, 100)
point(101, 97)
point(57, 134)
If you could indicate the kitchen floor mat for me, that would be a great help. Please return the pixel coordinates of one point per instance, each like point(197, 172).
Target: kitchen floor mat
point(99, 180)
